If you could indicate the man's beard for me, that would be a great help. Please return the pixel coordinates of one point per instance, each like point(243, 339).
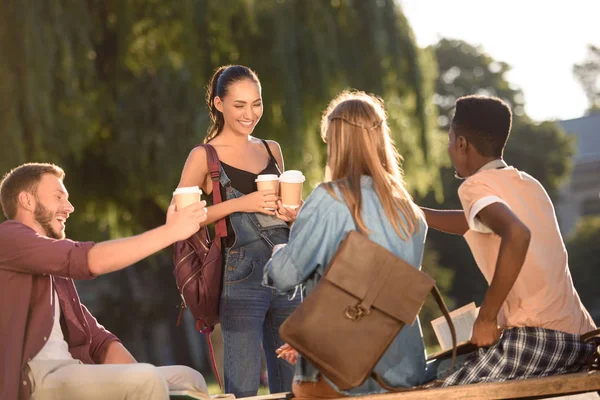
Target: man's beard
point(44, 217)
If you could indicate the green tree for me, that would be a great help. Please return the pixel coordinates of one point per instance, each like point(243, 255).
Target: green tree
point(543, 150)
point(588, 74)
point(584, 260)
point(465, 69)
point(114, 92)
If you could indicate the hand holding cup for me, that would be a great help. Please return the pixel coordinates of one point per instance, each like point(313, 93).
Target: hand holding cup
point(262, 201)
point(290, 186)
point(287, 214)
point(185, 222)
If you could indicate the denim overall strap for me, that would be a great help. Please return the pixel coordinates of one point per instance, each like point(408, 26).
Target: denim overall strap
point(250, 227)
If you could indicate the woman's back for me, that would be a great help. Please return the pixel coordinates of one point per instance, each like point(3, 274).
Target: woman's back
point(322, 224)
point(404, 362)
point(366, 192)
point(381, 230)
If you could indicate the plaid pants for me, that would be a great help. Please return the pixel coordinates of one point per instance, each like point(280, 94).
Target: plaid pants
point(524, 353)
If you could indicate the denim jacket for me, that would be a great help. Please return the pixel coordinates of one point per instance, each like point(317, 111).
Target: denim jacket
point(320, 227)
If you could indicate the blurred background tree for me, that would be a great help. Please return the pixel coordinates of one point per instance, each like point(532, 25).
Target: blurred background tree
point(584, 257)
point(588, 74)
point(113, 91)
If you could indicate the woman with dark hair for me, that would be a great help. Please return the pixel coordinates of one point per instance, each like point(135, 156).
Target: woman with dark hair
point(250, 312)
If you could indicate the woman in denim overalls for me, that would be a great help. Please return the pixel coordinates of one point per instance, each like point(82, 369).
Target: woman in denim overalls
point(250, 312)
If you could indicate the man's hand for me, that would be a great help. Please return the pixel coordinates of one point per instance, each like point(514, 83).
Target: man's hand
point(485, 332)
point(184, 223)
point(288, 353)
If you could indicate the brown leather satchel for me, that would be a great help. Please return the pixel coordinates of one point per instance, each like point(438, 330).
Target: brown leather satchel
point(199, 262)
point(357, 309)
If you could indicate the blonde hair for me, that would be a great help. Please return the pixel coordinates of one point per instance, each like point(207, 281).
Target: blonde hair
point(355, 128)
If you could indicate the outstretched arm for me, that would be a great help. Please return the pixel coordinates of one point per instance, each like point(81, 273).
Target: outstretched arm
point(449, 221)
point(117, 254)
point(23, 250)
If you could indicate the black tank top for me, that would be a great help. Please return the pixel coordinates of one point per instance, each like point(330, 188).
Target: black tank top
point(243, 181)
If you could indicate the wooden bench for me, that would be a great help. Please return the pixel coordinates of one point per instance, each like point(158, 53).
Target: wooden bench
point(535, 388)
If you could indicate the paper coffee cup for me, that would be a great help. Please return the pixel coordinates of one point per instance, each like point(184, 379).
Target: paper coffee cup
point(268, 182)
point(184, 196)
point(290, 185)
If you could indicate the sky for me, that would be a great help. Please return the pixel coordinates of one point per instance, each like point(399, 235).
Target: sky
point(541, 40)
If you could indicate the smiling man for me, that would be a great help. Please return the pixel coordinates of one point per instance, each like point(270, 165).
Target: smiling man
point(51, 347)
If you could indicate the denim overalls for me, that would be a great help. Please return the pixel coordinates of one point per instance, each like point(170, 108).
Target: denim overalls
point(250, 312)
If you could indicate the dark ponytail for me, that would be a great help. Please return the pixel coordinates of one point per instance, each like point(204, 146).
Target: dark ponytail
point(221, 80)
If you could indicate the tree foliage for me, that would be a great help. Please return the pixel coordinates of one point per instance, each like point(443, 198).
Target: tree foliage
point(113, 91)
point(588, 74)
point(584, 260)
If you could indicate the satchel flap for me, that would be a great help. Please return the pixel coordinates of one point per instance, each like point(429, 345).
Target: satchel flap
point(359, 261)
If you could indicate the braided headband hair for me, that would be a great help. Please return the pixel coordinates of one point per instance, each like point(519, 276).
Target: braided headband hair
point(377, 125)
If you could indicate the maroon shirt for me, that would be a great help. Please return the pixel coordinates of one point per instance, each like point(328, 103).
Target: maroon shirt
point(31, 267)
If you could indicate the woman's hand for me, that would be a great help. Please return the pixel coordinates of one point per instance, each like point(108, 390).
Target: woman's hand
point(259, 201)
point(288, 353)
point(287, 214)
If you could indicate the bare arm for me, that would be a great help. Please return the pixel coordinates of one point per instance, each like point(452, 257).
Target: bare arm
point(117, 254)
point(449, 221)
point(116, 353)
point(515, 238)
point(195, 173)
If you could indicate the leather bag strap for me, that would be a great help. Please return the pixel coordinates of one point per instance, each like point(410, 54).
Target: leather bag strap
point(214, 168)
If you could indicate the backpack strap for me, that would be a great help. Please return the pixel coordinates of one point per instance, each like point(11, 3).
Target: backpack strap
point(214, 168)
point(442, 305)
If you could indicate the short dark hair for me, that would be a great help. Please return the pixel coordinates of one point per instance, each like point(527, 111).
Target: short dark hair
point(24, 178)
point(485, 122)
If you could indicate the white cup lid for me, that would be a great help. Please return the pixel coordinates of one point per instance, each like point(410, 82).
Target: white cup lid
point(292, 176)
point(266, 178)
point(188, 190)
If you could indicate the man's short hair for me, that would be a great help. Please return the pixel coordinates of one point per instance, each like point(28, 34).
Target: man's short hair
point(484, 121)
point(24, 178)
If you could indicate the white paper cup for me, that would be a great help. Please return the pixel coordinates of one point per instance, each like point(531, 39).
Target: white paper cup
point(290, 185)
point(268, 182)
point(184, 196)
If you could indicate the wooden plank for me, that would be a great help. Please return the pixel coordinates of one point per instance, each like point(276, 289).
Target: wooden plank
point(529, 388)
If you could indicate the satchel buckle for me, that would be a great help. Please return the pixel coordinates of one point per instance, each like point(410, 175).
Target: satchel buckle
point(355, 313)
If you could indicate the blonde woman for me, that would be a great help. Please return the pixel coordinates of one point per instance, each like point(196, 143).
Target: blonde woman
point(365, 185)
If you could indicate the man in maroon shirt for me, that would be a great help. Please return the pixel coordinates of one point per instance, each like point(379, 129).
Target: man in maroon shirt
point(51, 347)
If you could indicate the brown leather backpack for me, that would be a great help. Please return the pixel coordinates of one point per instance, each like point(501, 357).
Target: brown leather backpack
point(367, 295)
point(199, 262)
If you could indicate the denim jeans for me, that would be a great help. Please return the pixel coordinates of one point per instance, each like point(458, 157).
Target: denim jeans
point(251, 313)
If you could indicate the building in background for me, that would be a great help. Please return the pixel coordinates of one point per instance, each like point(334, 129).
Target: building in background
point(580, 195)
